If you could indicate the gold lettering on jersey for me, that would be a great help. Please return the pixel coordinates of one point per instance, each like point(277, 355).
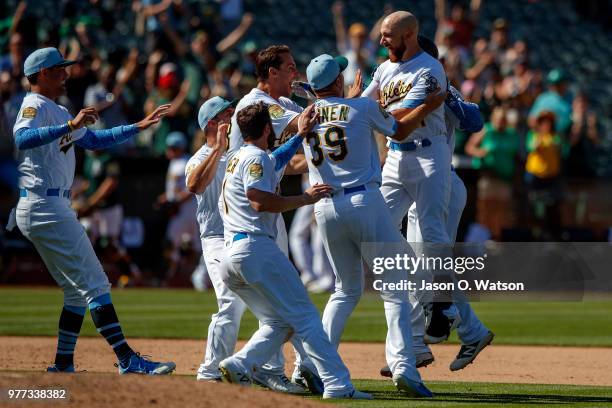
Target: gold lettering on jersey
point(333, 113)
point(65, 143)
point(232, 165)
point(394, 91)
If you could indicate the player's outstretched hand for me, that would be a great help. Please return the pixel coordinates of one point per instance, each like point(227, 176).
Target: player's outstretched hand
point(317, 192)
point(154, 117)
point(85, 117)
point(357, 87)
point(307, 120)
point(434, 99)
point(222, 132)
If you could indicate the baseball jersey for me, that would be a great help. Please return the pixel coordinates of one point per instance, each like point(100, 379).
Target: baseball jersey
point(282, 112)
point(250, 167)
point(50, 165)
point(341, 149)
point(406, 84)
point(207, 213)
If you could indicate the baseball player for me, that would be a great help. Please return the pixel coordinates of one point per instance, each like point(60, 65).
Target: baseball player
point(418, 169)
point(204, 178)
point(473, 334)
point(45, 135)
point(341, 151)
point(276, 70)
point(257, 270)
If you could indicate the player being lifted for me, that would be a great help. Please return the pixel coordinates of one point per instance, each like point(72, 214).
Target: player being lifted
point(341, 151)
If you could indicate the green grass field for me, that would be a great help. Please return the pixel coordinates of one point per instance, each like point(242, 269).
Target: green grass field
point(485, 395)
point(164, 313)
point(159, 313)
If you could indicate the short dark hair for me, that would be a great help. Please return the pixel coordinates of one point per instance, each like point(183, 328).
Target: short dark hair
point(33, 79)
point(252, 120)
point(269, 58)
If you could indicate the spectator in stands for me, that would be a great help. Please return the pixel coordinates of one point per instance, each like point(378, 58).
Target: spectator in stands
point(11, 96)
point(584, 139)
point(357, 44)
point(543, 170)
point(13, 61)
point(495, 151)
point(182, 229)
point(459, 22)
point(170, 89)
point(106, 96)
point(556, 100)
point(499, 42)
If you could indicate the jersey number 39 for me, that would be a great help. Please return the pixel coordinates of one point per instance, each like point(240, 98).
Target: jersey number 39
point(332, 138)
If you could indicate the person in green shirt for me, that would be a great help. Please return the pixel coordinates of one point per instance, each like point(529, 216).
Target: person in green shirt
point(494, 151)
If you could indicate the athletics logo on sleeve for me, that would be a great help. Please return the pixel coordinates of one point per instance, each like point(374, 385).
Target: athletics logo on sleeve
point(256, 171)
point(431, 83)
point(276, 111)
point(28, 113)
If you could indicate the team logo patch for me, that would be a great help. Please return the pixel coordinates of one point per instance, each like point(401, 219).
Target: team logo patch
point(29, 113)
point(276, 111)
point(431, 83)
point(256, 171)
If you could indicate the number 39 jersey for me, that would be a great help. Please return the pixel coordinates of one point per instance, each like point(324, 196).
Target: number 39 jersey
point(341, 149)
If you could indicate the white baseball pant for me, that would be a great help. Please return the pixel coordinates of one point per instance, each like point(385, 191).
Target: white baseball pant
point(470, 328)
point(52, 226)
point(346, 223)
point(264, 278)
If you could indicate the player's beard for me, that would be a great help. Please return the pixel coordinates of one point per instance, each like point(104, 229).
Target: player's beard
point(396, 53)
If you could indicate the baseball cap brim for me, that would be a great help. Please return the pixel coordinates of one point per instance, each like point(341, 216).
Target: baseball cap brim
point(342, 62)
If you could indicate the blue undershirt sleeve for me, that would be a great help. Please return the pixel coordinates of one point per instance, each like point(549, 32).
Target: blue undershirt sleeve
point(99, 139)
point(286, 151)
point(28, 138)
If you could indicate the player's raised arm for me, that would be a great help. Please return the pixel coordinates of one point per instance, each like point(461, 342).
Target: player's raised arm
point(202, 175)
point(410, 119)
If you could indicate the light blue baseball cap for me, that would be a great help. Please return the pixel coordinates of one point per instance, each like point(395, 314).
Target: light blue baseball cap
point(324, 69)
point(44, 58)
point(212, 108)
point(176, 139)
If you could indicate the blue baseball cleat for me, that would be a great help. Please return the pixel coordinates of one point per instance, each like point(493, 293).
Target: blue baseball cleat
point(55, 369)
point(138, 364)
point(411, 387)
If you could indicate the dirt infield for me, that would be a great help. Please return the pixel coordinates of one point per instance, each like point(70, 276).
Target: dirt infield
point(500, 364)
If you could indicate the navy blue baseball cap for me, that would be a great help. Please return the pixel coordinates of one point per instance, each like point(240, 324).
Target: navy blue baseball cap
point(44, 58)
point(324, 69)
point(212, 108)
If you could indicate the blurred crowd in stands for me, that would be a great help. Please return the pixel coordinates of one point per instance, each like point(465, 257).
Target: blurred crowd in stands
point(541, 137)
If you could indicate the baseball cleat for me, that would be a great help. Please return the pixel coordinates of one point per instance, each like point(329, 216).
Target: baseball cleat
point(232, 373)
point(138, 364)
point(439, 328)
point(55, 369)
point(468, 352)
point(422, 360)
point(411, 387)
point(354, 394)
point(278, 383)
point(308, 379)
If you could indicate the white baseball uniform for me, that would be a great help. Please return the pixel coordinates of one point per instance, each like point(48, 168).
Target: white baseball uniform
point(470, 328)
point(282, 112)
point(43, 213)
point(224, 325)
point(341, 151)
point(420, 176)
point(256, 269)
